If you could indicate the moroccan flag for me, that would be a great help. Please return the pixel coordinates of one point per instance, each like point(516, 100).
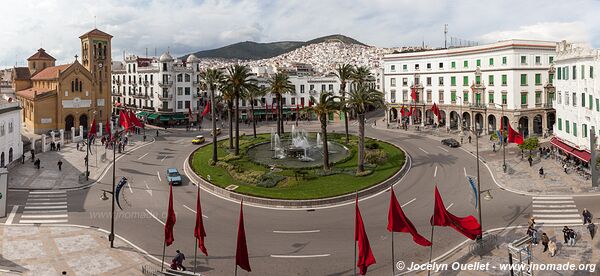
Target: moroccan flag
point(199, 232)
point(436, 111)
point(169, 238)
point(514, 136)
point(365, 254)
point(403, 111)
point(124, 120)
point(92, 131)
point(241, 253)
point(107, 128)
point(467, 226)
point(413, 93)
point(206, 109)
point(134, 120)
point(410, 112)
point(398, 222)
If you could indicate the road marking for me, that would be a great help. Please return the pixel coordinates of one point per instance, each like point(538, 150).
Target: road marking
point(465, 169)
point(158, 174)
point(129, 186)
point(435, 172)
point(44, 199)
point(560, 221)
point(296, 232)
point(557, 211)
point(11, 217)
point(193, 211)
point(47, 192)
point(553, 206)
point(43, 221)
point(43, 211)
point(449, 206)
point(558, 216)
point(163, 159)
point(44, 216)
point(553, 201)
point(408, 202)
point(46, 203)
point(143, 156)
point(152, 215)
point(46, 207)
point(423, 150)
point(148, 188)
point(443, 149)
point(47, 196)
point(301, 256)
point(552, 197)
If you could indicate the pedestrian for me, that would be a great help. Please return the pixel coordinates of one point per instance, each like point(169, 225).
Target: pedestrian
point(469, 139)
point(542, 172)
point(178, 260)
point(58, 146)
point(494, 147)
point(522, 154)
point(566, 234)
point(23, 158)
point(565, 167)
point(530, 160)
point(37, 163)
point(59, 165)
point(157, 133)
point(32, 151)
point(552, 248)
point(85, 160)
point(592, 228)
point(77, 146)
point(545, 241)
point(572, 237)
point(51, 146)
point(531, 222)
point(587, 216)
point(144, 137)
point(461, 140)
point(534, 236)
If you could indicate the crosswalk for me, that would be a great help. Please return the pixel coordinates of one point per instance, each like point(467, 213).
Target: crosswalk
point(555, 210)
point(45, 207)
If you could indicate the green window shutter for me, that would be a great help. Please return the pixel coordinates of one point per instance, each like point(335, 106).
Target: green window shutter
point(559, 74)
point(491, 98)
point(491, 80)
point(523, 98)
point(584, 129)
point(582, 72)
point(567, 126)
point(491, 61)
point(559, 124)
point(551, 78)
point(453, 81)
point(574, 129)
point(597, 104)
point(453, 64)
point(504, 100)
point(504, 60)
point(538, 79)
point(465, 97)
point(478, 79)
point(504, 79)
point(591, 102)
point(582, 100)
point(453, 96)
point(466, 81)
point(478, 62)
point(523, 79)
point(466, 63)
point(551, 59)
point(591, 72)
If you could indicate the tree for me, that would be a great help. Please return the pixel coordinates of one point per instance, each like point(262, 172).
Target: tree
point(280, 84)
point(212, 78)
point(327, 103)
point(228, 96)
point(251, 95)
point(359, 100)
point(344, 72)
point(360, 75)
point(531, 143)
point(239, 79)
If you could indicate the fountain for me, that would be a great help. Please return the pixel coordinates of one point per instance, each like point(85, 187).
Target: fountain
point(319, 141)
point(278, 152)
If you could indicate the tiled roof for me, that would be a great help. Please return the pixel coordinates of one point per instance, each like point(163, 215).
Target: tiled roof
point(22, 73)
point(32, 92)
point(96, 32)
point(50, 73)
point(41, 54)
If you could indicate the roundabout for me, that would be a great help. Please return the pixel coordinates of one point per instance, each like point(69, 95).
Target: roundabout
point(291, 169)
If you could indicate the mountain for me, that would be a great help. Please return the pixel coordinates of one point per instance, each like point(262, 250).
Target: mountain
point(250, 50)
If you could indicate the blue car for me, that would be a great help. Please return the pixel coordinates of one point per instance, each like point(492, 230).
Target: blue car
point(173, 176)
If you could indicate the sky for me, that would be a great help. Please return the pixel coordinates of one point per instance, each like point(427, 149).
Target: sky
point(184, 26)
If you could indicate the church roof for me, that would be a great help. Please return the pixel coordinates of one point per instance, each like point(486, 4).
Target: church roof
point(31, 93)
point(41, 55)
point(50, 73)
point(96, 32)
point(22, 73)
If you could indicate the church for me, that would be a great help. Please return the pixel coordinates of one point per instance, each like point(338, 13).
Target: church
point(55, 97)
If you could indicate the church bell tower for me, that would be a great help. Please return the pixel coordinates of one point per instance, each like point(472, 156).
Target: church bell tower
point(96, 57)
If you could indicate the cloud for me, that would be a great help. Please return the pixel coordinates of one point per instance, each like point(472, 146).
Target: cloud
point(552, 31)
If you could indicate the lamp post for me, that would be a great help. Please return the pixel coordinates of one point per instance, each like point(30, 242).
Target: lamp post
point(502, 138)
point(460, 114)
point(87, 150)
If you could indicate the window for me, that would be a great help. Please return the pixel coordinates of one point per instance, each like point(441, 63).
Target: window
point(574, 99)
point(404, 67)
point(491, 97)
point(453, 96)
point(538, 97)
point(10, 127)
point(582, 72)
point(187, 104)
point(491, 80)
point(311, 87)
point(478, 62)
point(440, 81)
point(504, 98)
point(179, 91)
point(504, 60)
point(523, 60)
point(591, 102)
point(584, 129)
point(465, 96)
point(441, 96)
point(180, 78)
point(597, 104)
point(574, 129)
point(523, 79)
point(465, 63)
point(478, 79)
point(574, 72)
point(591, 72)
point(491, 62)
point(566, 98)
point(323, 87)
point(187, 91)
point(453, 64)
point(523, 98)
point(453, 81)
point(559, 74)
point(393, 95)
point(293, 100)
point(302, 88)
point(441, 65)
point(567, 126)
point(559, 124)
point(429, 96)
point(404, 81)
point(550, 59)
point(538, 60)
point(428, 80)
point(504, 80)
point(393, 82)
point(582, 100)
point(179, 104)
point(465, 80)
point(331, 87)
point(404, 95)
point(417, 67)
point(393, 68)
point(187, 78)
point(428, 66)
point(551, 78)
point(538, 79)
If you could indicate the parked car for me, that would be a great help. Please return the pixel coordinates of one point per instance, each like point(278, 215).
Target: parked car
point(173, 176)
point(218, 132)
point(451, 143)
point(198, 140)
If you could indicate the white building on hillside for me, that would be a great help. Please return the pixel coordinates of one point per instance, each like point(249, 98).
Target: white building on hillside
point(476, 85)
point(578, 98)
point(11, 146)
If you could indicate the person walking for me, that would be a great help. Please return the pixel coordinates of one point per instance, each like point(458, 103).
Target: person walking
point(566, 234)
point(592, 229)
point(77, 146)
point(157, 133)
point(531, 222)
point(587, 216)
point(23, 158)
point(545, 241)
point(178, 260)
point(469, 139)
point(534, 236)
point(530, 160)
point(59, 165)
point(37, 163)
point(552, 248)
point(461, 140)
point(32, 151)
point(494, 147)
point(85, 160)
point(565, 167)
point(58, 146)
point(572, 237)
point(542, 172)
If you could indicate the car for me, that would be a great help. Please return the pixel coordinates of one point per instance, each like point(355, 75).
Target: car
point(198, 140)
point(451, 143)
point(218, 132)
point(173, 176)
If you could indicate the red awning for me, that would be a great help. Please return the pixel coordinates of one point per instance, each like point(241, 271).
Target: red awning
point(581, 155)
point(556, 142)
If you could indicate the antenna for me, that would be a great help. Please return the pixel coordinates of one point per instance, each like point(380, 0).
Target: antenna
point(94, 22)
point(445, 36)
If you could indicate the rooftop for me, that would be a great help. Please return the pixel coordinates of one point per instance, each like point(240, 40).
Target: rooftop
point(33, 92)
point(41, 55)
point(50, 73)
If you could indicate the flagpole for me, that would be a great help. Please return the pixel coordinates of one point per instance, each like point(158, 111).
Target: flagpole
point(195, 255)
point(430, 249)
point(393, 259)
point(162, 264)
point(236, 270)
point(354, 256)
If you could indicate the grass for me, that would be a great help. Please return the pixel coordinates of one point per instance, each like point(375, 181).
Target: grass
point(313, 186)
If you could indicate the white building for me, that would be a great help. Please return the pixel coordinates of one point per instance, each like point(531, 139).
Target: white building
point(476, 85)
point(163, 89)
point(578, 98)
point(11, 146)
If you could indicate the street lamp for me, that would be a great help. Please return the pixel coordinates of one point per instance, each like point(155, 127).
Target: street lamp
point(87, 150)
point(502, 138)
point(460, 121)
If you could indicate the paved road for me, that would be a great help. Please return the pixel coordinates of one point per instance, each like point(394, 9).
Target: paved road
point(291, 242)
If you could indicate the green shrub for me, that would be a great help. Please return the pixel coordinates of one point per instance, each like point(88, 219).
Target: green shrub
point(377, 156)
point(372, 145)
point(230, 157)
point(269, 180)
point(364, 173)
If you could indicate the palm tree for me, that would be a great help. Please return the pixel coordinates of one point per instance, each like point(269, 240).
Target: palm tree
point(327, 103)
point(344, 72)
point(228, 96)
point(252, 95)
point(280, 84)
point(212, 78)
point(359, 99)
point(360, 75)
point(240, 79)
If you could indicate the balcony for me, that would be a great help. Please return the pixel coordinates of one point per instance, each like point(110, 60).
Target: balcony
point(165, 110)
point(146, 83)
point(548, 105)
point(141, 96)
point(477, 106)
point(148, 108)
point(134, 83)
point(116, 93)
point(163, 97)
point(165, 83)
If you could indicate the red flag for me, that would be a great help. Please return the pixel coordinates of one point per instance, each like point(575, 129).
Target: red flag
point(467, 226)
point(413, 93)
point(241, 253)
point(514, 136)
point(171, 219)
point(206, 109)
point(92, 131)
point(124, 120)
point(107, 128)
point(398, 222)
point(410, 112)
point(365, 254)
point(403, 111)
point(436, 110)
point(134, 120)
point(199, 232)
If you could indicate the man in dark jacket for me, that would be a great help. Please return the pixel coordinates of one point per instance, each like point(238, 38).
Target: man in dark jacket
point(566, 234)
point(545, 241)
point(178, 260)
point(587, 216)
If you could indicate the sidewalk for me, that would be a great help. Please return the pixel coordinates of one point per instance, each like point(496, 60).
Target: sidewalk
point(26, 176)
point(519, 177)
point(585, 251)
point(40, 250)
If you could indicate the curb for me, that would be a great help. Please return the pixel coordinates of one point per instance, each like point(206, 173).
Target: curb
point(282, 204)
point(101, 175)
